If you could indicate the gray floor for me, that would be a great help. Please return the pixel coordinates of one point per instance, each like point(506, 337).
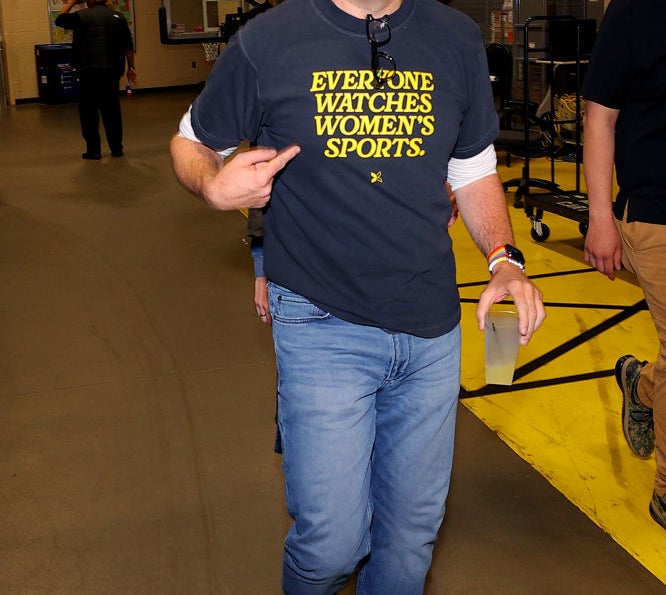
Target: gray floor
point(136, 398)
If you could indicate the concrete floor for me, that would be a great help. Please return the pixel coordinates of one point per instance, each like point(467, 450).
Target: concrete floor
point(137, 398)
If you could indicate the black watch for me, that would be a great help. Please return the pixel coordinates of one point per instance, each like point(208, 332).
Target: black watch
point(515, 256)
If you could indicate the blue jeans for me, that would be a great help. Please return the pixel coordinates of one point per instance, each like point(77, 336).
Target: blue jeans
point(367, 420)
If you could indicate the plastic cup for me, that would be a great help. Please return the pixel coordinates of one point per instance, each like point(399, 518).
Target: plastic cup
point(502, 344)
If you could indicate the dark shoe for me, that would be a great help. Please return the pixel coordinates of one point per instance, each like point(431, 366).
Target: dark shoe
point(88, 155)
point(117, 153)
point(658, 509)
point(637, 422)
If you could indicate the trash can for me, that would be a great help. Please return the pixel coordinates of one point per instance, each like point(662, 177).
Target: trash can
point(56, 78)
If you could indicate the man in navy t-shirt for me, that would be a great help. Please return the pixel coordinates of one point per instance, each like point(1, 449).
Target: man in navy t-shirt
point(358, 113)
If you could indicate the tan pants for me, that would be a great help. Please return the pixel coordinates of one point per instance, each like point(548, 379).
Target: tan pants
point(644, 254)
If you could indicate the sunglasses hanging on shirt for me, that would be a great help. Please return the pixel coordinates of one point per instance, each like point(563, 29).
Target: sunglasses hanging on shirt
point(382, 64)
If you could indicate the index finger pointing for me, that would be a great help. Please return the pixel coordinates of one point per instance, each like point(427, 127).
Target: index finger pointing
point(286, 155)
point(280, 161)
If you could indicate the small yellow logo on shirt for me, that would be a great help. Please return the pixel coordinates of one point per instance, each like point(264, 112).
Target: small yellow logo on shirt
point(376, 177)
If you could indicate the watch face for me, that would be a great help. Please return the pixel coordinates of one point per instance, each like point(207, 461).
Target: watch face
point(514, 254)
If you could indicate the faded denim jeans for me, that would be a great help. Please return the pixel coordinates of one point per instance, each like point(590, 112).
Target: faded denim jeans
point(367, 419)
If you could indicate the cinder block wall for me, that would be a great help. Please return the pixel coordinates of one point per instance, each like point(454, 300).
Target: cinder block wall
point(25, 23)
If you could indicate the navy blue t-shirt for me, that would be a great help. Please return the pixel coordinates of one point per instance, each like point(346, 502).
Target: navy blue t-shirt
point(627, 72)
point(357, 222)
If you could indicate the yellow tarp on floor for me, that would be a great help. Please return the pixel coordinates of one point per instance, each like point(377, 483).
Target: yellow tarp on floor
point(562, 415)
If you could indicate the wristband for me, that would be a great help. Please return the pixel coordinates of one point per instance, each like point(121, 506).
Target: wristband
point(506, 253)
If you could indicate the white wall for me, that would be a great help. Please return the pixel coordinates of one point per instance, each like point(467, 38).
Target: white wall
point(25, 23)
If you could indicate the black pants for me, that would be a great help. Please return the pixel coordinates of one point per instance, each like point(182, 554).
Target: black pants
point(98, 94)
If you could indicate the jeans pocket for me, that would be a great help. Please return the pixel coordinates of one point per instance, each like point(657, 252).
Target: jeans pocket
point(291, 308)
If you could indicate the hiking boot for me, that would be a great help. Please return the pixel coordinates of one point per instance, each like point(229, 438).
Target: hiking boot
point(637, 422)
point(658, 509)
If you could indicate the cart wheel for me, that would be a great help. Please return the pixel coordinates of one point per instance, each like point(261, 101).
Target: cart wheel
point(582, 227)
point(540, 231)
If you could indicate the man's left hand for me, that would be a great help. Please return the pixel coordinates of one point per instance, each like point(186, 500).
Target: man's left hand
point(509, 281)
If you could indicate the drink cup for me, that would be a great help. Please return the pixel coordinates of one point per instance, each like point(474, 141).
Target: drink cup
point(502, 343)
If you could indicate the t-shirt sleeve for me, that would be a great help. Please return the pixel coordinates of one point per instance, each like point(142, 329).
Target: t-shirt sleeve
point(127, 33)
point(480, 125)
point(608, 76)
point(68, 20)
point(228, 110)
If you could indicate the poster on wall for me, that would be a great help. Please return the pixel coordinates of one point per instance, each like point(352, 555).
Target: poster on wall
point(59, 35)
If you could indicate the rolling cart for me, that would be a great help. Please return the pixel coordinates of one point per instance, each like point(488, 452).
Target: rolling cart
point(571, 204)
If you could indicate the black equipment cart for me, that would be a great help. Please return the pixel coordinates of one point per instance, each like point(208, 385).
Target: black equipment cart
point(568, 42)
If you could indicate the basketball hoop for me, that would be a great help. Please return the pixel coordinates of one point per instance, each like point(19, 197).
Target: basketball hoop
point(211, 50)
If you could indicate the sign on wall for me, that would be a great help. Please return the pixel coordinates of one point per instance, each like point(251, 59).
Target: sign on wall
point(59, 35)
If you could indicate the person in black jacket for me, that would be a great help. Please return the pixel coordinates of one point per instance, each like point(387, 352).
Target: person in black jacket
point(101, 45)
